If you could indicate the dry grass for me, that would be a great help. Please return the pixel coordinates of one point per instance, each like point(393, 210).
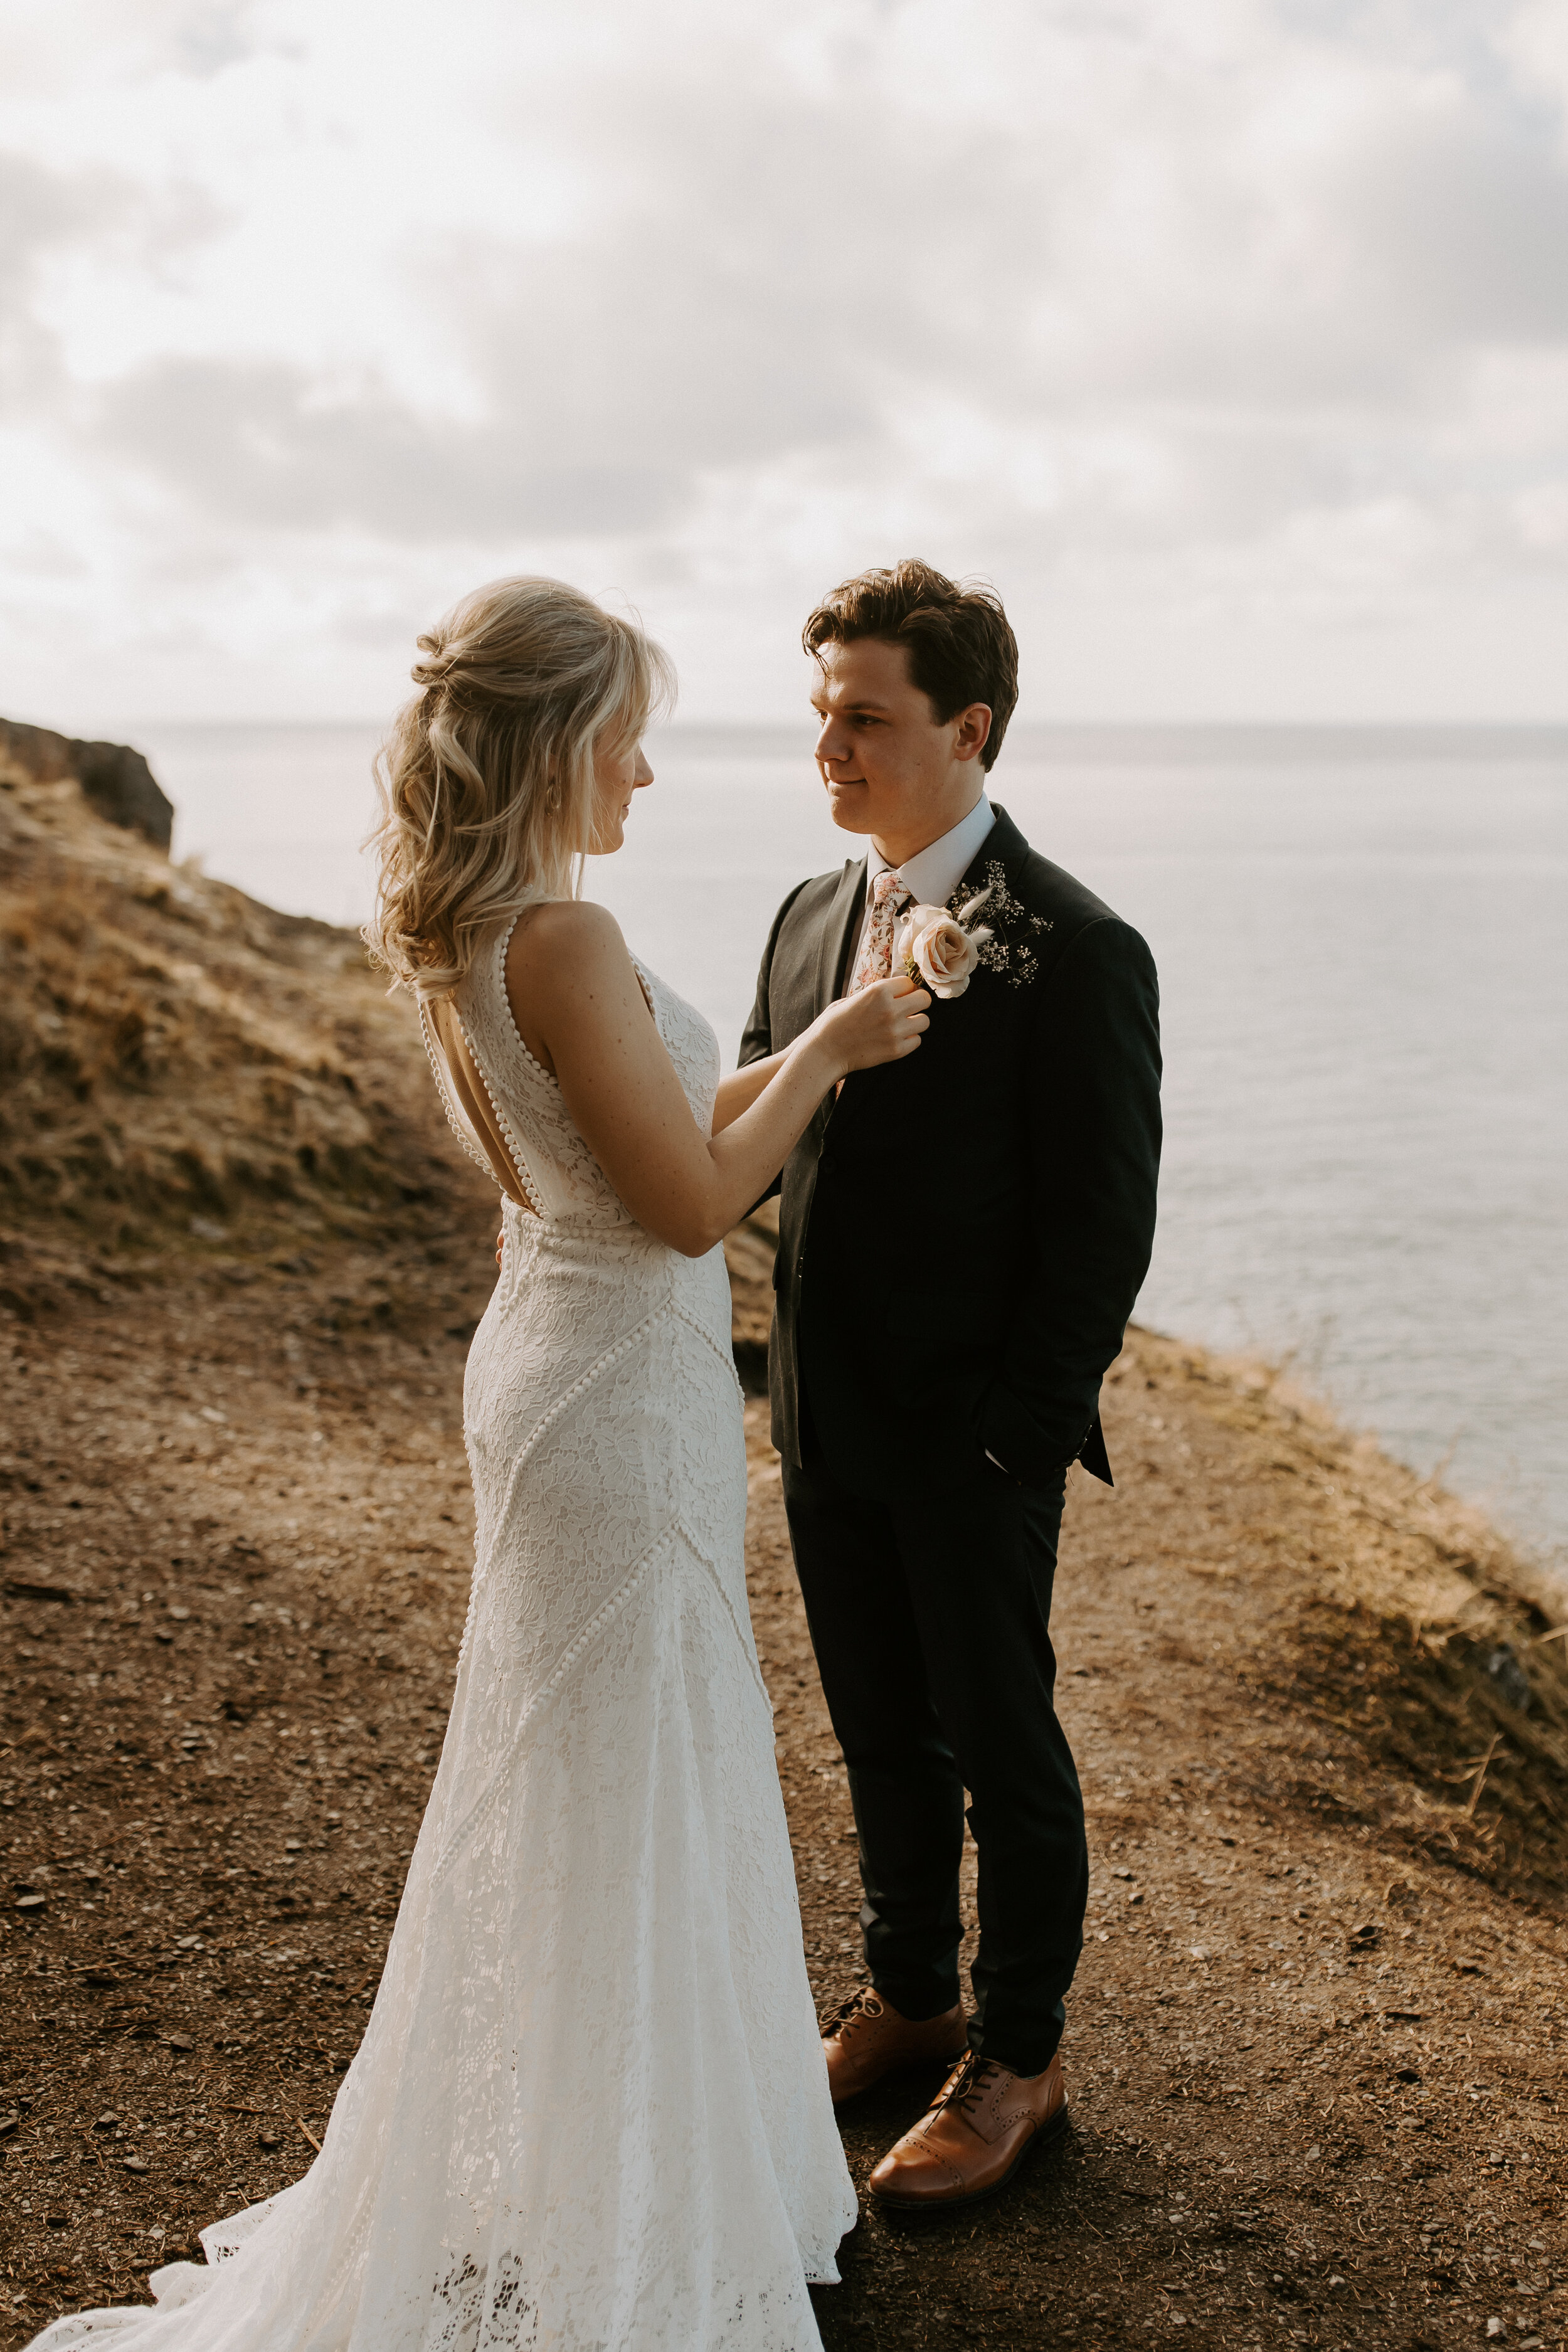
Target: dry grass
point(172, 1050)
point(1412, 1627)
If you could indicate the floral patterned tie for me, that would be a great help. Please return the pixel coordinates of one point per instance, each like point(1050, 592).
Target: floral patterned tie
point(875, 959)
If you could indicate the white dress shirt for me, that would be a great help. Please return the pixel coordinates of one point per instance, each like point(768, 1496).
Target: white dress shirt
point(931, 874)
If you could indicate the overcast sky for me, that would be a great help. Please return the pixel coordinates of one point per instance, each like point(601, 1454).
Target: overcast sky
point(1228, 338)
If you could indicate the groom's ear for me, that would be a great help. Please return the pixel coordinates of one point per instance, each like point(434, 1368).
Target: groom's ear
point(972, 731)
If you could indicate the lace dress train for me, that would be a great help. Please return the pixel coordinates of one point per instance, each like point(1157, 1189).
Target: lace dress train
point(590, 2112)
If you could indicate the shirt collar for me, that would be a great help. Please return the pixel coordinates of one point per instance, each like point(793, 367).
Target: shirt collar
point(934, 873)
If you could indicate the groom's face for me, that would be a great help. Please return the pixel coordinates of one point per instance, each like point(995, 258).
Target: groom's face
point(891, 767)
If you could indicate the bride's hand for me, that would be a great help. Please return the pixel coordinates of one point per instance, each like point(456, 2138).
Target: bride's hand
point(879, 1023)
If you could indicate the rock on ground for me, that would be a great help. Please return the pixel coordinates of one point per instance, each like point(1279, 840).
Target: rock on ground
point(115, 778)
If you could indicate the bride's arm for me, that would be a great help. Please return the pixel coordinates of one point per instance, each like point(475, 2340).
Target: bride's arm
point(738, 1089)
point(568, 966)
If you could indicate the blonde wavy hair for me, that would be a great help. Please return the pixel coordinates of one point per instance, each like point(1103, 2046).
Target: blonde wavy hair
point(486, 781)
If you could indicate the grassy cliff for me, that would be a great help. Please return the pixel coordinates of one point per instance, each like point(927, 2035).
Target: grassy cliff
point(190, 1078)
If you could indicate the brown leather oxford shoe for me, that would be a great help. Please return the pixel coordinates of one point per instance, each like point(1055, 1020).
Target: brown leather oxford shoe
point(867, 2038)
point(979, 2128)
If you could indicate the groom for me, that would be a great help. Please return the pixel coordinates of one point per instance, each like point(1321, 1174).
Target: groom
point(962, 1235)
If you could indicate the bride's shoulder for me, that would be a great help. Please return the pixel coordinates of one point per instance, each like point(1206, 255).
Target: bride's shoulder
point(565, 962)
point(564, 940)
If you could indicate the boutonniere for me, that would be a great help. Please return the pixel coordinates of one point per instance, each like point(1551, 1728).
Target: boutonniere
point(938, 949)
point(1011, 948)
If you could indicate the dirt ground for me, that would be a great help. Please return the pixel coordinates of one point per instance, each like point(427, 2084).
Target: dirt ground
point(1315, 2049)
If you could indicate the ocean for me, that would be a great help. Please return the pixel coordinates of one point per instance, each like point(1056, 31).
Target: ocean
point(1362, 942)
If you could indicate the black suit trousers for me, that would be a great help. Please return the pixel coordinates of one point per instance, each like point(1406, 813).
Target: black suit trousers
point(930, 1622)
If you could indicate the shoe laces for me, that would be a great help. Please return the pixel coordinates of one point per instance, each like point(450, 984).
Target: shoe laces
point(968, 2083)
point(864, 2002)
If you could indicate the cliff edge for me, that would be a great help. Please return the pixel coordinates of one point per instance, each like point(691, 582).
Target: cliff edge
point(1320, 1708)
point(114, 779)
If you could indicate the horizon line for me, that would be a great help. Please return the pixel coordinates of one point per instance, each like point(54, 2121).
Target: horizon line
point(1018, 725)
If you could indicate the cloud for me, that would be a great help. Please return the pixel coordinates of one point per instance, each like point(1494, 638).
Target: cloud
point(40, 212)
point(263, 447)
point(80, 49)
point(1259, 309)
point(208, 39)
point(59, 221)
point(1456, 219)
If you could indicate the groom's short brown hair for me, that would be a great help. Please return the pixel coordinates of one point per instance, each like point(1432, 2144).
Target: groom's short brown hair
point(961, 646)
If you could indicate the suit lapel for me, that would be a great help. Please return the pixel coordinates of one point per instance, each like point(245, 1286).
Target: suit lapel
point(839, 924)
point(1004, 845)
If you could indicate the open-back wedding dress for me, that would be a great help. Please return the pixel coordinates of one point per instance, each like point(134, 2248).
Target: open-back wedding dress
point(590, 2113)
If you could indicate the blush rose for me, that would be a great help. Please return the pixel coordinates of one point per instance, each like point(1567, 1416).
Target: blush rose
point(937, 948)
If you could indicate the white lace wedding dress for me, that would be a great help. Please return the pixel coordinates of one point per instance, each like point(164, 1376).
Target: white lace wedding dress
point(590, 2113)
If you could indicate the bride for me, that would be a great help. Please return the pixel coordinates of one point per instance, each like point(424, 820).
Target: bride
point(590, 2113)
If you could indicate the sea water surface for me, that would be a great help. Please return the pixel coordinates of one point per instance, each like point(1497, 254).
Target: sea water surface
point(1362, 943)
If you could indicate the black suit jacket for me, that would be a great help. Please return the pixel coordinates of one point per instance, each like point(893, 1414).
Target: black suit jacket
point(963, 1234)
